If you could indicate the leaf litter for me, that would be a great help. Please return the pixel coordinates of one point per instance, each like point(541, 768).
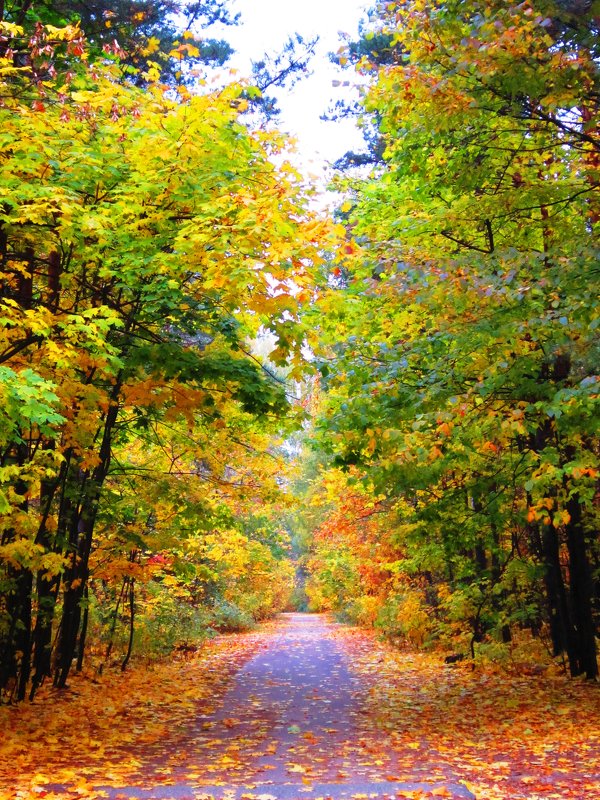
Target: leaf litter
point(306, 702)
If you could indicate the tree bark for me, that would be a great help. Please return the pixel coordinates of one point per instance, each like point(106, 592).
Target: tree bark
point(580, 594)
point(82, 530)
point(131, 624)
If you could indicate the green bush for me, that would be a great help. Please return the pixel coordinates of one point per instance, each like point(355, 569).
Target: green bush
point(226, 617)
point(169, 622)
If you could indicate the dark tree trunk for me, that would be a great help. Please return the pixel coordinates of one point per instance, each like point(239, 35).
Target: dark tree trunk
point(47, 592)
point(580, 594)
point(46, 587)
point(54, 271)
point(75, 580)
point(23, 637)
point(15, 643)
point(84, 629)
point(131, 624)
point(481, 557)
point(25, 296)
point(82, 530)
point(561, 629)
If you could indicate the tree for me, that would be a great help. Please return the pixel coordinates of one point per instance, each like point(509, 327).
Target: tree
point(139, 32)
point(374, 47)
point(461, 368)
point(141, 236)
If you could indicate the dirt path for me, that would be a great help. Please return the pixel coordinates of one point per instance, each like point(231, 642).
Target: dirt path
point(294, 724)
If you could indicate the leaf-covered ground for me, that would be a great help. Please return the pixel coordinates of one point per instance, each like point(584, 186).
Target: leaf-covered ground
point(508, 736)
point(307, 704)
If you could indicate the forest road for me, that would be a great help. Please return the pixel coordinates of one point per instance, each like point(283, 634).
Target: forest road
point(294, 723)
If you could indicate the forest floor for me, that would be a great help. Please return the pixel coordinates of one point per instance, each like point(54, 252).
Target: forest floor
point(305, 708)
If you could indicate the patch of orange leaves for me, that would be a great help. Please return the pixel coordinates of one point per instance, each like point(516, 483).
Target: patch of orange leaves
point(507, 736)
point(103, 728)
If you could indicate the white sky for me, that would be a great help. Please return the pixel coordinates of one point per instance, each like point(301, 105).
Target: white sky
point(265, 26)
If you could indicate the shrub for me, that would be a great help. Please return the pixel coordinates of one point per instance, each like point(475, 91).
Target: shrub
point(226, 617)
point(406, 616)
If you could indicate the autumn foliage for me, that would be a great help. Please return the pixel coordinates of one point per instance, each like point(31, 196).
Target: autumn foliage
point(167, 295)
point(146, 240)
point(458, 347)
point(217, 404)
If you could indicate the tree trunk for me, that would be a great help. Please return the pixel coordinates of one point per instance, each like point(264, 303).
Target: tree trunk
point(15, 643)
point(84, 629)
point(82, 530)
point(561, 628)
point(131, 624)
point(46, 587)
point(580, 594)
